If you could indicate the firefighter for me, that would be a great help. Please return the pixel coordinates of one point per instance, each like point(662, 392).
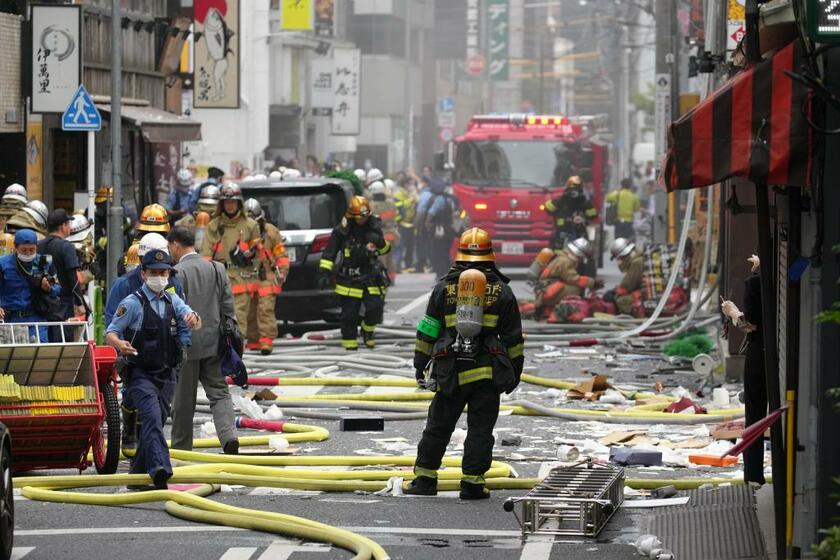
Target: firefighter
point(13, 200)
point(625, 204)
point(272, 269)
point(382, 205)
point(33, 215)
point(632, 264)
point(81, 236)
point(473, 329)
point(571, 211)
point(207, 204)
point(360, 278)
point(232, 239)
point(406, 202)
point(562, 277)
point(153, 219)
point(182, 199)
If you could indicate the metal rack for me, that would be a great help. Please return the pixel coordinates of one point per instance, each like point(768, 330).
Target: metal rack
point(577, 500)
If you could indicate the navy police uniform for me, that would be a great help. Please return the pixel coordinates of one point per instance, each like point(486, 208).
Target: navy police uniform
point(155, 326)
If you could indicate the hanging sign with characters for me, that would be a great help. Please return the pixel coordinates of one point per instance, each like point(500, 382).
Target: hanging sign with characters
point(216, 58)
point(56, 57)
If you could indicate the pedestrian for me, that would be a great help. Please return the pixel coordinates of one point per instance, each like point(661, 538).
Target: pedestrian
point(183, 199)
point(361, 280)
point(627, 205)
point(313, 168)
point(466, 371)
point(422, 240)
point(755, 382)
point(66, 262)
point(151, 331)
point(439, 227)
point(208, 289)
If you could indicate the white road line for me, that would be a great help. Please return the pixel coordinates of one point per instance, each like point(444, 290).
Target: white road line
point(538, 547)
point(432, 531)
point(418, 301)
point(20, 551)
point(281, 550)
point(239, 553)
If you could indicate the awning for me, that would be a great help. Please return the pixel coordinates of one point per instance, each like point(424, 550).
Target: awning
point(157, 125)
point(754, 127)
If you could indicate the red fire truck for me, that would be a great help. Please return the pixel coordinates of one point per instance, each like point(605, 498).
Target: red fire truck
point(507, 166)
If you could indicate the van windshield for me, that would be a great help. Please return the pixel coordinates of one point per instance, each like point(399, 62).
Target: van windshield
point(301, 208)
point(517, 163)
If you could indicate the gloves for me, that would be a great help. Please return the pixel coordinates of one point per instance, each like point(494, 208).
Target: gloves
point(599, 283)
point(512, 386)
point(730, 310)
point(421, 378)
point(755, 261)
point(182, 359)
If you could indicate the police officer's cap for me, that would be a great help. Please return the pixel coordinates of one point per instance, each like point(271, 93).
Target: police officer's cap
point(25, 237)
point(157, 260)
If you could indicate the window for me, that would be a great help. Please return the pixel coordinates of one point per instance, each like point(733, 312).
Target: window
point(301, 209)
point(378, 34)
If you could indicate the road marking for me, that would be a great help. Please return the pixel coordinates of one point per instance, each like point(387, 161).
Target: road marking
point(418, 301)
point(538, 547)
point(432, 531)
point(20, 551)
point(281, 550)
point(239, 553)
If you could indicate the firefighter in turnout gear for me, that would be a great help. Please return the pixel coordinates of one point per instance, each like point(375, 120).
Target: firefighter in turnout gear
point(13, 200)
point(632, 264)
point(353, 255)
point(232, 239)
point(153, 219)
point(562, 277)
point(469, 350)
point(571, 211)
point(272, 269)
point(33, 215)
point(208, 203)
point(382, 205)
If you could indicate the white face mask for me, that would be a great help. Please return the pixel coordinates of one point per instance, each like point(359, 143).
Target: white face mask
point(27, 258)
point(157, 283)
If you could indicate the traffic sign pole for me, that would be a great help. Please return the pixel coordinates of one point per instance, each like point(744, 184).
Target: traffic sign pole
point(91, 176)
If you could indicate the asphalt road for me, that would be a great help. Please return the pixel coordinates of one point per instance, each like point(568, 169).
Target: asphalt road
point(442, 527)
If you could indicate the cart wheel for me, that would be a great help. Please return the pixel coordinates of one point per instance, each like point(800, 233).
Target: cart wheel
point(106, 445)
point(7, 503)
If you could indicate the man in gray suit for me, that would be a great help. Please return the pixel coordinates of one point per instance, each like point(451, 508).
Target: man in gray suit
point(207, 287)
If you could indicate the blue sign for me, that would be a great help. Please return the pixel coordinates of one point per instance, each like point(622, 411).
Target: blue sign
point(446, 105)
point(81, 114)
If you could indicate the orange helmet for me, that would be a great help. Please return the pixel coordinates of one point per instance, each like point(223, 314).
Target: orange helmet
point(104, 194)
point(153, 218)
point(359, 207)
point(475, 245)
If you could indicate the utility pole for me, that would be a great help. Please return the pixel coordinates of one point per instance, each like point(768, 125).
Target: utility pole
point(115, 216)
point(667, 95)
point(622, 115)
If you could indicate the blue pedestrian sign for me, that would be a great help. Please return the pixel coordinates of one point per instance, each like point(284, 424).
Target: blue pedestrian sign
point(446, 104)
point(81, 114)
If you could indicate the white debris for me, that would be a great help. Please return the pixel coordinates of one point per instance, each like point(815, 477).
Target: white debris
point(248, 407)
point(208, 430)
point(278, 443)
point(611, 396)
point(273, 413)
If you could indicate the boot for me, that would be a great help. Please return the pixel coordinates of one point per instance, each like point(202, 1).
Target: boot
point(252, 346)
point(266, 348)
point(129, 429)
point(231, 447)
point(369, 338)
point(422, 486)
point(470, 491)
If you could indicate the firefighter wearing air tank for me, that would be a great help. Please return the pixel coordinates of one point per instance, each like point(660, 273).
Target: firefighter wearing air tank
point(353, 255)
point(469, 351)
point(632, 264)
point(571, 211)
point(562, 276)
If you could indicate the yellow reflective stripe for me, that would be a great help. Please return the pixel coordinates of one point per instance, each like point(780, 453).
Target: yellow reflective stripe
point(450, 320)
point(591, 213)
point(423, 347)
point(475, 374)
point(368, 328)
point(327, 264)
point(374, 290)
point(516, 351)
point(420, 471)
point(473, 478)
point(386, 249)
point(347, 343)
point(347, 251)
point(560, 221)
point(348, 291)
point(550, 206)
point(488, 320)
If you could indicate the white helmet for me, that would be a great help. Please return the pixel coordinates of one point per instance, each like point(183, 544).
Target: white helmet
point(291, 174)
point(282, 169)
point(361, 175)
point(184, 177)
point(374, 175)
point(377, 187)
point(253, 209)
point(247, 179)
point(390, 185)
point(621, 248)
point(16, 192)
point(276, 175)
point(580, 248)
point(152, 241)
point(38, 211)
point(80, 228)
point(209, 195)
point(260, 177)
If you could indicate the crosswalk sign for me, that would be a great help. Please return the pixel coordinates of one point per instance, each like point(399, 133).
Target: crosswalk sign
point(81, 114)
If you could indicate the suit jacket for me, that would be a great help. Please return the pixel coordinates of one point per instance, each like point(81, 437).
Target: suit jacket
point(207, 289)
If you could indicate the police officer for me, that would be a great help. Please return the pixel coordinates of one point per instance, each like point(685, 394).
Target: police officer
point(632, 264)
point(360, 279)
point(562, 277)
point(571, 211)
point(182, 199)
point(473, 329)
point(272, 268)
point(151, 330)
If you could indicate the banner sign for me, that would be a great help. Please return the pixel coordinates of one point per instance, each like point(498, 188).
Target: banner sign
point(324, 12)
point(296, 15)
point(321, 86)
point(56, 56)
point(346, 89)
point(497, 28)
point(216, 54)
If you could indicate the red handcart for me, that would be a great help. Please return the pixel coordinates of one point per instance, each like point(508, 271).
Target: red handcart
point(50, 425)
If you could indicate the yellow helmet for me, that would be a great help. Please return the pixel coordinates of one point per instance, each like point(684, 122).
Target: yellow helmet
point(359, 207)
point(153, 218)
point(574, 181)
point(7, 243)
point(132, 256)
point(475, 245)
point(104, 194)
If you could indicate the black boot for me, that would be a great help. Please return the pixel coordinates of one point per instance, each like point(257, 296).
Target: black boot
point(129, 428)
point(470, 491)
point(422, 486)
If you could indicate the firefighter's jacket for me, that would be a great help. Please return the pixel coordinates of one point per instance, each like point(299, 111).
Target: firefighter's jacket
point(347, 255)
point(386, 209)
point(224, 235)
point(272, 260)
point(633, 268)
point(500, 350)
point(406, 204)
point(561, 279)
point(573, 202)
point(22, 220)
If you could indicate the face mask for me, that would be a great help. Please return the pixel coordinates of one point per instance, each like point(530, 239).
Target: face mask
point(27, 258)
point(157, 283)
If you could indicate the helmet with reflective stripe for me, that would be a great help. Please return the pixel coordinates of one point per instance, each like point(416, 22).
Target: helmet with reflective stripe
point(359, 207)
point(621, 248)
point(374, 175)
point(253, 209)
point(152, 241)
point(38, 211)
point(80, 227)
point(16, 193)
point(209, 195)
point(184, 177)
point(580, 248)
point(475, 245)
point(231, 191)
point(153, 218)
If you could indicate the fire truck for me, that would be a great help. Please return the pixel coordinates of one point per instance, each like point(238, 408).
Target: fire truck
point(507, 166)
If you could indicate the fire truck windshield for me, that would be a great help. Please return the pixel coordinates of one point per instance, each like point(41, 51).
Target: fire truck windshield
point(514, 163)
